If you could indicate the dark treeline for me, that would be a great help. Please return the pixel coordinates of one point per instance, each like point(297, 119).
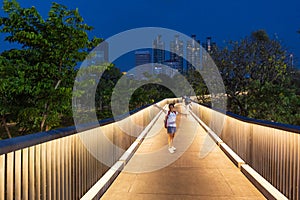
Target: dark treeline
point(37, 79)
point(259, 79)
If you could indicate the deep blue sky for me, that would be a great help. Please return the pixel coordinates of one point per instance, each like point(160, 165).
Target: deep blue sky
point(223, 20)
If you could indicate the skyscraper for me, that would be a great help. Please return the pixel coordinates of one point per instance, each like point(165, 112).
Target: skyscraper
point(176, 52)
point(142, 57)
point(193, 54)
point(158, 50)
point(209, 46)
point(172, 68)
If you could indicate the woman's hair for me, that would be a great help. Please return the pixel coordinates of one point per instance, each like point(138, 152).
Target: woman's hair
point(171, 104)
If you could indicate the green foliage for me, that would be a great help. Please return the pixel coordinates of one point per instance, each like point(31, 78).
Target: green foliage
point(105, 89)
point(108, 91)
point(199, 86)
point(148, 94)
point(275, 103)
point(38, 77)
point(296, 80)
point(126, 93)
point(257, 78)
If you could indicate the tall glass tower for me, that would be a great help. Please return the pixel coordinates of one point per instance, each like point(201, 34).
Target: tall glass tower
point(176, 52)
point(158, 50)
point(193, 54)
point(142, 57)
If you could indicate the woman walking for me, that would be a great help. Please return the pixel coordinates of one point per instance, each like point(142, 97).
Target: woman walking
point(170, 124)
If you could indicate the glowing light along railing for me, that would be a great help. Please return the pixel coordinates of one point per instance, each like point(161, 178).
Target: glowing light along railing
point(57, 165)
point(271, 149)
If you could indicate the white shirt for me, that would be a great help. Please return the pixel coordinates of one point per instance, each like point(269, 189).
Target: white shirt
point(171, 121)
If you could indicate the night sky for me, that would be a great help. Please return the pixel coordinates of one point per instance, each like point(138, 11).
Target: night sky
point(222, 20)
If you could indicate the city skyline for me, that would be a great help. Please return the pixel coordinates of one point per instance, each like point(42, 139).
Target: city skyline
point(191, 48)
point(170, 54)
point(224, 21)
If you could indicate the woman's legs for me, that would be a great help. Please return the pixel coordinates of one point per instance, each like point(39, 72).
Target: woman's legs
point(171, 135)
point(170, 142)
point(170, 139)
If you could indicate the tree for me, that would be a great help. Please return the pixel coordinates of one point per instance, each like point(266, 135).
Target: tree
point(45, 64)
point(7, 103)
point(104, 91)
point(275, 103)
point(199, 86)
point(148, 94)
point(256, 75)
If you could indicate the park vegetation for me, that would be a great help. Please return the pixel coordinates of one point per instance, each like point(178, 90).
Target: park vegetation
point(37, 76)
point(259, 79)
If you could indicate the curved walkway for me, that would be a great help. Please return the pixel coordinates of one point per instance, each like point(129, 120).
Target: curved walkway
point(197, 170)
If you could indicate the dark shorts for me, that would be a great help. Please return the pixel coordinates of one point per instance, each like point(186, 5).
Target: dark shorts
point(171, 130)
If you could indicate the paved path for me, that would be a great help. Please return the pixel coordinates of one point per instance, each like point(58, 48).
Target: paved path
point(198, 169)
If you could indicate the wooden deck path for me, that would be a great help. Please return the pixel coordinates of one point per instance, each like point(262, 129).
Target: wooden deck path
point(197, 170)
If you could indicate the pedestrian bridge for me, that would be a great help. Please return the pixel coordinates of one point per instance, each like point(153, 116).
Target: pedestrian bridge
point(218, 156)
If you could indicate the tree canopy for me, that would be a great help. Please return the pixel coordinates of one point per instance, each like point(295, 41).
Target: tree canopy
point(257, 77)
point(37, 79)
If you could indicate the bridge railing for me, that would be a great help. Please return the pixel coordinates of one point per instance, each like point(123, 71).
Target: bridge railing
point(58, 164)
point(272, 149)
